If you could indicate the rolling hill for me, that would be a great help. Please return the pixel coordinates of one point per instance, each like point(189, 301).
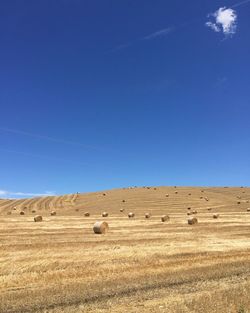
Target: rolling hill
point(136, 199)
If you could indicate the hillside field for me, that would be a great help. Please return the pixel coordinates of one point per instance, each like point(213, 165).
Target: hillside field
point(140, 265)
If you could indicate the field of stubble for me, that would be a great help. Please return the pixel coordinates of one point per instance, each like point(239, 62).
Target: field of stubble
point(140, 265)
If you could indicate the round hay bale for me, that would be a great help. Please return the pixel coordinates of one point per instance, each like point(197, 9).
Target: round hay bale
point(216, 215)
point(53, 213)
point(201, 197)
point(209, 209)
point(189, 208)
point(189, 213)
point(14, 208)
point(206, 199)
point(194, 212)
point(121, 210)
point(105, 214)
point(155, 188)
point(100, 227)
point(22, 212)
point(86, 214)
point(176, 192)
point(147, 215)
point(38, 218)
point(104, 194)
point(167, 195)
point(165, 218)
point(238, 202)
point(33, 211)
point(189, 194)
point(131, 215)
point(248, 209)
point(192, 221)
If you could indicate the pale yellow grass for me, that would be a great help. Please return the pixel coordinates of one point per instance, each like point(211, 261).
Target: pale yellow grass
point(140, 265)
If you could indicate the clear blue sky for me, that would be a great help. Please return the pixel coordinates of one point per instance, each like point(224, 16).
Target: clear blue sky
point(101, 94)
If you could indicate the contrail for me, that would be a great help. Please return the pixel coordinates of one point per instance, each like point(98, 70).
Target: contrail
point(240, 3)
point(160, 33)
point(120, 47)
point(42, 156)
point(68, 142)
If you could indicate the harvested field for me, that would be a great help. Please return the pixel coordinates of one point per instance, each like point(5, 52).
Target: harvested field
point(140, 265)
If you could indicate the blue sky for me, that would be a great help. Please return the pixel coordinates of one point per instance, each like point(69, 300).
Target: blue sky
point(103, 94)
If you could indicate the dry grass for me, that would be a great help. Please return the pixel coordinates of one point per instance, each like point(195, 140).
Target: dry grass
point(140, 265)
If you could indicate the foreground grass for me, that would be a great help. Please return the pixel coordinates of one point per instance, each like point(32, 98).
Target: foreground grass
point(161, 269)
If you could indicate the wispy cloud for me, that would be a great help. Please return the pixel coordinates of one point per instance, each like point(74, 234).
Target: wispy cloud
point(157, 34)
point(12, 194)
point(47, 138)
point(221, 81)
point(121, 47)
point(160, 33)
point(223, 20)
point(41, 156)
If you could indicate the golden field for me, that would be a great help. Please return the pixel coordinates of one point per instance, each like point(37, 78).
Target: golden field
point(140, 265)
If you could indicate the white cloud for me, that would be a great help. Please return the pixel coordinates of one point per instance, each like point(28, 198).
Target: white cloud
point(213, 26)
point(224, 20)
point(11, 194)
